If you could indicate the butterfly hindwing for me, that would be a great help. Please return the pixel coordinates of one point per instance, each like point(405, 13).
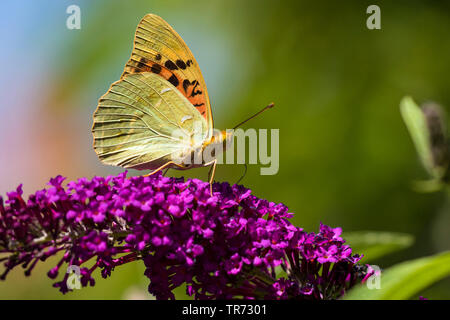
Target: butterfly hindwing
point(135, 121)
point(160, 50)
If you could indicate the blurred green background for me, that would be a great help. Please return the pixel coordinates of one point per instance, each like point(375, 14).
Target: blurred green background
point(345, 155)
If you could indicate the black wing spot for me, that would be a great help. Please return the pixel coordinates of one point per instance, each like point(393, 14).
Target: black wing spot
point(156, 68)
point(142, 63)
point(170, 65)
point(195, 92)
point(198, 104)
point(181, 64)
point(186, 84)
point(189, 62)
point(174, 80)
point(158, 57)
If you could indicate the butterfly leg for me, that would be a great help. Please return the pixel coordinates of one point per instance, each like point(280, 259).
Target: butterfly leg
point(166, 165)
point(165, 171)
point(212, 172)
point(242, 177)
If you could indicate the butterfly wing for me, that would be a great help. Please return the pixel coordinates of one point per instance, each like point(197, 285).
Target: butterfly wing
point(159, 49)
point(143, 121)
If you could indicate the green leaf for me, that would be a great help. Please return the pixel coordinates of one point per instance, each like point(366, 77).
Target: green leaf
point(417, 126)
point(405, 279)
point(375, 244)
point(427, 186)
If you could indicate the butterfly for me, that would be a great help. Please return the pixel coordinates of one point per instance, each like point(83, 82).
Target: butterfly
point(158, 115)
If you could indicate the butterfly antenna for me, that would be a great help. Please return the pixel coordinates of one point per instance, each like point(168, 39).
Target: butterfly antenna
point(245, 172)
point(261, 111)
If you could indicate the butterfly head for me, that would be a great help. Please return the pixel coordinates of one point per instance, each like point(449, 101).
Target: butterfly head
point(220, 139)
point(226, 138)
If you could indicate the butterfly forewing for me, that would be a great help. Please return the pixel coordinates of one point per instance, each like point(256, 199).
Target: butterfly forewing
point(160, 50)
point(136, 120)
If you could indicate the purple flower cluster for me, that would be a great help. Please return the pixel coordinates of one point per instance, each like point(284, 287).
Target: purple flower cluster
point(229, 245)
